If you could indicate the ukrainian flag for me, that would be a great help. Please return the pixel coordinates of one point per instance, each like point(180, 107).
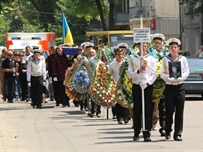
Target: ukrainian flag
point(67, 36)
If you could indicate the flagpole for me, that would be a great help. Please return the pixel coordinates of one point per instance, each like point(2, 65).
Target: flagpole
point(143, 100)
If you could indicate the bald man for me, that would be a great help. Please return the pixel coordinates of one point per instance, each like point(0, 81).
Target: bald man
point(9, 67)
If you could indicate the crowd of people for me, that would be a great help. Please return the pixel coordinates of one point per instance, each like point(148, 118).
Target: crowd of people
point(31, 75)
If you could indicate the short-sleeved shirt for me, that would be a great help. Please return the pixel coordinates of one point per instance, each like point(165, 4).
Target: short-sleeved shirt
point(8, 64)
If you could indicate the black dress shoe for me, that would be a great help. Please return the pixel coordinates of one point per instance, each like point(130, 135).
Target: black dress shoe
point(167, 135)
point(162, 132)
point(177, 138)
point(57, 104)
point(125, 121)
point(136, 138)
point(147, 139)
point(33, 105)
point(39, 107)
point(119, 122)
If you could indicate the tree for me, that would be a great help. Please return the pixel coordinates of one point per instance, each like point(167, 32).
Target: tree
point(4, 26)
point(90, 10)
point(197, 6)
point(99, 7)
point(46, 10)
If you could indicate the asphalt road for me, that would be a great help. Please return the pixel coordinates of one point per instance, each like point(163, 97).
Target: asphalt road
point(56, 129)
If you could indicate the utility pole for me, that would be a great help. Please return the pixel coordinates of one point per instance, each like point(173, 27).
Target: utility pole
point(201, 29)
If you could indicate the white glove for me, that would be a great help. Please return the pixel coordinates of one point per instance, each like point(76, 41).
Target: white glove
point(29, 84)
point(180, 79)
point(44, 83)
point(143, 85)
point(55, 79)
point(172, 79)
point(50, 79)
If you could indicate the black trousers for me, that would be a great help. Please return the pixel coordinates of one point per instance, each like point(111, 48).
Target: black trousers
point(137, 109)
point(36, 90)
point(59, 93)
point(120, 112)
point(114, 111)
point(56, 92)
point(175, 100)
point(162, 114)
point(93, 105)
point(24, 87)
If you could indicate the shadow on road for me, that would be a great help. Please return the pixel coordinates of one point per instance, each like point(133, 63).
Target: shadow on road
point(193, 98)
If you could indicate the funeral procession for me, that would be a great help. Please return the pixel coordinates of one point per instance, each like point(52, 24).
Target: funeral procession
point(101, 76)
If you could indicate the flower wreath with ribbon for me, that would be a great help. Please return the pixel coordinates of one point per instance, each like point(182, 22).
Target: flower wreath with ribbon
point(103, 87)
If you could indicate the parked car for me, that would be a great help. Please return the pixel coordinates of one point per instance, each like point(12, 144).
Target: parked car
point(194, 82)
point(184, 52)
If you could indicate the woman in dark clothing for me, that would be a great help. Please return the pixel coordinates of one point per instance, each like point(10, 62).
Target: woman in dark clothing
point(22, 75)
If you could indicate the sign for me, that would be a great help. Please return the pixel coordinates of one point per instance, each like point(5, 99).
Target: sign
point(25, 43)
point(141, 35)
point(152, 24)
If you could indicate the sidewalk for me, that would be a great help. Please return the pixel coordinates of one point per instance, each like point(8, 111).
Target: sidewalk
point(56, 129)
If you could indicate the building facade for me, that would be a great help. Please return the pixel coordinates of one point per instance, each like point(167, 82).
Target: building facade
point(191, 30)
point(156, 15)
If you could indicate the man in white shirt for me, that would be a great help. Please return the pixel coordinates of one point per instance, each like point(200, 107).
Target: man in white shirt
point(28, 53)
point(113, 69)
point(123, 47)
point(174, 90)
point(36, 77)
point(143, 73)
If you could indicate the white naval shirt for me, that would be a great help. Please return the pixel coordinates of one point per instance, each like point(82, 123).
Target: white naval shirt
point(114, 69)
point(165, 70)
point(134, 66)
point(36, 68)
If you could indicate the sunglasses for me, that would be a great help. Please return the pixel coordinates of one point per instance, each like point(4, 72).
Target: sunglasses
point(10, 55)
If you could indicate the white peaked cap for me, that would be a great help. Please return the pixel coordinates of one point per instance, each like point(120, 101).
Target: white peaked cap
point(173, 40)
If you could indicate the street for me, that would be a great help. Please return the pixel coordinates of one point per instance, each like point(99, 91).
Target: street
point(24, 129)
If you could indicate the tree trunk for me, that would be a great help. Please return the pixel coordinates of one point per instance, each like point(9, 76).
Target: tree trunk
point(111, 15)
point(99, 7)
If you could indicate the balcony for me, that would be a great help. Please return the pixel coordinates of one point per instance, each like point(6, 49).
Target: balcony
point(121, 18)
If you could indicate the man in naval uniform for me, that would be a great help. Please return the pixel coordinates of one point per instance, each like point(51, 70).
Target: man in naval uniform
point(123, 47)
point(174, 90)
point(36, 77)
point(143, 72)
point(159, 110)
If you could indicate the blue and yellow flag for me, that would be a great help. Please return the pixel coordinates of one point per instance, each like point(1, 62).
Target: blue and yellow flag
point(67, 36)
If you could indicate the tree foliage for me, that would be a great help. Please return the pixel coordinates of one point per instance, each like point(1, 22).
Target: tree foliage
point(196, 5)
point(45, 15)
